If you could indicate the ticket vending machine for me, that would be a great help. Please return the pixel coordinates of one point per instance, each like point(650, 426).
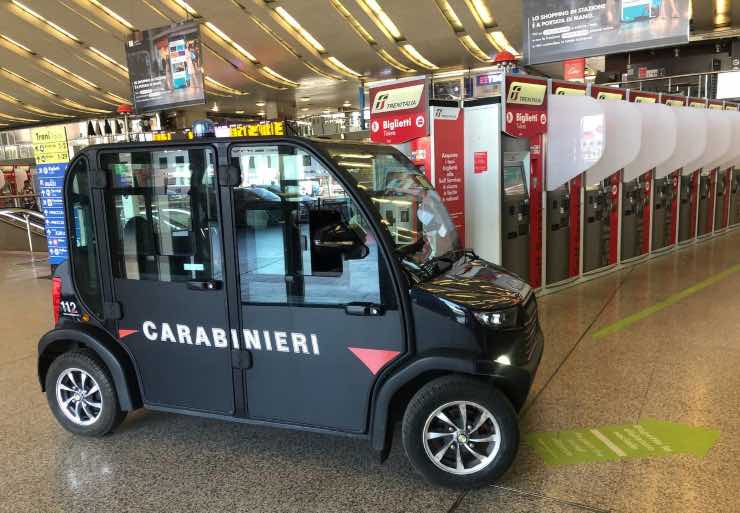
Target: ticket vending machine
point(525, 124)
point(719, 148)
point(658, 144)
point(515, 213)
point(689, 189)
point(690, 144)
point(575, 143)
point(724, 177)
point(623, 138)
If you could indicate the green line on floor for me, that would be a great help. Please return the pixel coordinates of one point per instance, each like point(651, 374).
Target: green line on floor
point(670, 300)
point(646, 439)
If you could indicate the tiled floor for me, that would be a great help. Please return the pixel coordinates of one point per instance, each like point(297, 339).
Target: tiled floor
point(680, 364)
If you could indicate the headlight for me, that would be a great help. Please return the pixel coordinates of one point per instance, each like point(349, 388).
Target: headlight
point(498, 318)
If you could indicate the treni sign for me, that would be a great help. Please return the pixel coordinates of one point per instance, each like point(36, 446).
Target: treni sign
point(399, 112)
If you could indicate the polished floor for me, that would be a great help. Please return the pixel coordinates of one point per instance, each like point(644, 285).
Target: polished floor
point(677, 361)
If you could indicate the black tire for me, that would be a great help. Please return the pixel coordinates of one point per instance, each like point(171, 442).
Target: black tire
point(110, 414)
point(450, 389)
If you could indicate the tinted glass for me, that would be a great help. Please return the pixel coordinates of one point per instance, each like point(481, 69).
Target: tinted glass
point(163, 215)
point(300, 237)
point(405, 201)
point(83, 249)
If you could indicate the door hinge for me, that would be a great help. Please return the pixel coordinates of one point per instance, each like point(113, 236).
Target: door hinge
point(241, 359)
point(99, 179)
point(229, 176)
point(112, 311)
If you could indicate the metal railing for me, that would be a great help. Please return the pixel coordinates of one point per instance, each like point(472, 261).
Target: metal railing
point(27, 201)
point(33, 222)
point(697, 85)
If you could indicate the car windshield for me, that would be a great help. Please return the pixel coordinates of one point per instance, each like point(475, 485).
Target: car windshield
point(405, 201)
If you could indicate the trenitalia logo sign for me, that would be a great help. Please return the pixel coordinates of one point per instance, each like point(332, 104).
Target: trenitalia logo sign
point(399, 112)
point(403, 98)
point(526, 93)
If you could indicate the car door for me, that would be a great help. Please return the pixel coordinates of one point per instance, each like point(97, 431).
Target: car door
point(318, 315)
point(163, 228)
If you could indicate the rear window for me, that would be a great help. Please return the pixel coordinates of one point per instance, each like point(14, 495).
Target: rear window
point(83, 248)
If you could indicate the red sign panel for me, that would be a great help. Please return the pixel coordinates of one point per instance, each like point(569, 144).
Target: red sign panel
point(673, 101)
point(643, 97)
point(616, 184)
point(421, 155)
point(399, 112)
point(608, 93)
point(574, 245)
point(526, 106)
point(480, 165)
point(675, 184)
point(574, 69)
point(449, 169)
point(647, 180)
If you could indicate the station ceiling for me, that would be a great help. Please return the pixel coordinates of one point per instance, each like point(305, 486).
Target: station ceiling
point(64, 59)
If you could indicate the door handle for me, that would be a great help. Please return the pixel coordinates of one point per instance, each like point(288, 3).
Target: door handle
point(365, 309)
point(205, 285)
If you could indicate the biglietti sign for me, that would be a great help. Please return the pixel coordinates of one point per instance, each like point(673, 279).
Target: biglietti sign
point(399, 112)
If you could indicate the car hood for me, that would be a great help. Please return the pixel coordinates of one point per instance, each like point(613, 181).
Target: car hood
point(478, 285)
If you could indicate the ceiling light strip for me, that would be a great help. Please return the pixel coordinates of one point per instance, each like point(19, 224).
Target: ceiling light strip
point(18, 119)
point(369, 39)
point(110, 60)
point(224, 88)
point(381, 19)
point(50, 24)
point(282, 42)
point(482, 14)
point(112, 14)
point(289, 23)
point(448, 13)
point(30, 108)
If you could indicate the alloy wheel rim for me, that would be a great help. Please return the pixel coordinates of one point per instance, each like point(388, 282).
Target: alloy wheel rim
point(461, 437)
point(79, 397)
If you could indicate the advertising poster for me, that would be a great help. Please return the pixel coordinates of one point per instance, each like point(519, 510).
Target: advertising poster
point(399, 112)
point(52, 156)
point(166, 67)
point(449, 160)
point(558, 30)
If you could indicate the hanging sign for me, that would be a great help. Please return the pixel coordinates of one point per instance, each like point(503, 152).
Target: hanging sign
point(399, 112)
point(51, 152)
point(526, 106)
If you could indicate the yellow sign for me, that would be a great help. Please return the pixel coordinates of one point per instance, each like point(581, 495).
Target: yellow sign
point(698, 105)
point(714, 106)
point(675, 103)
point(162, 136)
point(526, 93)
point(50, 144)
point(645, 99)
point(259, 130)
point(731, 106)
point(570, 91)
point(608, 96)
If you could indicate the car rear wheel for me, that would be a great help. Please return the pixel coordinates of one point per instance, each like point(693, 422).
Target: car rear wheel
point(460, 433)
point(81, 394)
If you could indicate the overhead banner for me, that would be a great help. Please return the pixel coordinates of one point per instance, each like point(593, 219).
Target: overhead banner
point(399, 112)
point(51, 152)
point(165, 67)
point(558, 30)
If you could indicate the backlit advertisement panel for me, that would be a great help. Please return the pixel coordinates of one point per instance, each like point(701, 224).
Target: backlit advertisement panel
point(166, 67)
point(558, 30)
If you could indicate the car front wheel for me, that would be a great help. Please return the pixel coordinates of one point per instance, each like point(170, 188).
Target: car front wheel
point(460, 433)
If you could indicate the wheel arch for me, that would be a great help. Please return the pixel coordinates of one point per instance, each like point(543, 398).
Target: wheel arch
point(115, 358)
point(403, 384)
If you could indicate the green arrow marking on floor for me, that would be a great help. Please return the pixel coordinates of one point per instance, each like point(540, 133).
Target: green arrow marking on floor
point(669, 301)
point(648, 439)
